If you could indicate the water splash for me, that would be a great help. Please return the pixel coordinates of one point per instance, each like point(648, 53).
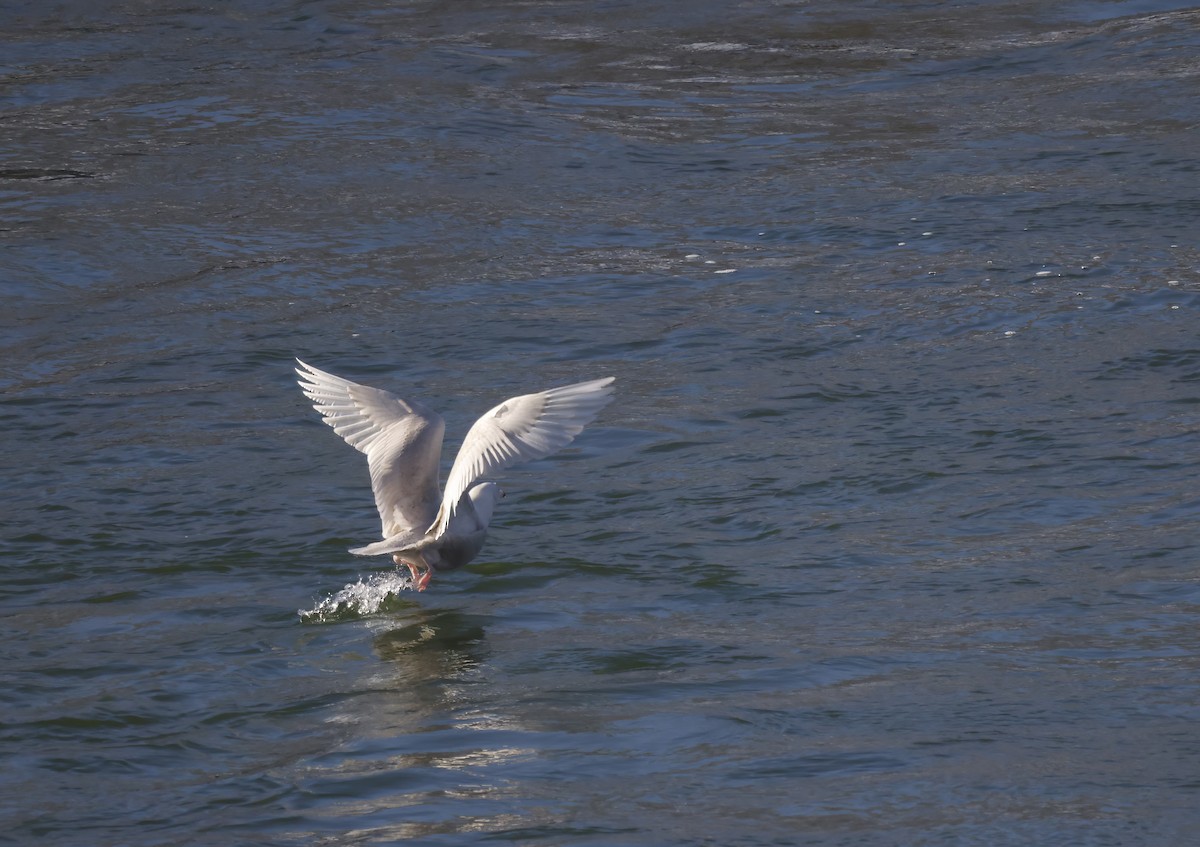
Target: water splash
point(371, 594)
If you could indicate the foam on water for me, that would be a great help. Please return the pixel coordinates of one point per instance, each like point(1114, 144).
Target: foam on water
point(369, 595)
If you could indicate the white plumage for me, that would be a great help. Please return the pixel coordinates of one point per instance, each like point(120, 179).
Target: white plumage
point(402, 441)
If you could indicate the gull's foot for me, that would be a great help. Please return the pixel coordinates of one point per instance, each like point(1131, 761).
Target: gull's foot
point(420, 580)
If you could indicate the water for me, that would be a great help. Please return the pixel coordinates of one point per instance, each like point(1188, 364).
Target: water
point(889, 539)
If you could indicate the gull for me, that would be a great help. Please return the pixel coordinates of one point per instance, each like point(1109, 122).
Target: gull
point(423, 529)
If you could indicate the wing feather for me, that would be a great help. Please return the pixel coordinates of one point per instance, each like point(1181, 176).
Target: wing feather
point(520, 429)
point(402, 441)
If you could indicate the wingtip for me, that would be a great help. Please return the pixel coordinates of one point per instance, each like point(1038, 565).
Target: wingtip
point(604, 386)
point(438, 526)
point(604, 383)
point(310, 373)
point(606, 389)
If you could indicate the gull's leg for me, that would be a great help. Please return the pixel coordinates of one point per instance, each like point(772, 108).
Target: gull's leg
point(412, 568)
point(420, 580)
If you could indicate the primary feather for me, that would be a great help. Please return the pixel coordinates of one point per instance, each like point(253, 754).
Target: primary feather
point(521, 429)
point(402, 441)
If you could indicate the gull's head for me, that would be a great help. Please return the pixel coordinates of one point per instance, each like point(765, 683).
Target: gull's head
point(484, 498)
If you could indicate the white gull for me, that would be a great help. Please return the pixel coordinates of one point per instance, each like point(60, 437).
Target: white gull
point(426, 530)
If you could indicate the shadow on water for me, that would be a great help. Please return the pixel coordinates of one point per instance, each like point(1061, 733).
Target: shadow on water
point(446, 640)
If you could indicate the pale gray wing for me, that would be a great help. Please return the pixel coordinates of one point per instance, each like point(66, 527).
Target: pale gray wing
point(520, 430)
point(407, 540)
point(402, 441)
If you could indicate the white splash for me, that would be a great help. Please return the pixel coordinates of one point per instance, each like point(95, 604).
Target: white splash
point(358, 599)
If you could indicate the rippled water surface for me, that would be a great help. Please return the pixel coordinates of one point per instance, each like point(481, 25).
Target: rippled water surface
point(889, 538)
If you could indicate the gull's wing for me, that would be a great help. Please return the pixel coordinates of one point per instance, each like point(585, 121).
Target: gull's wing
point(520, 430)
point(406, 540)
point(402, 441)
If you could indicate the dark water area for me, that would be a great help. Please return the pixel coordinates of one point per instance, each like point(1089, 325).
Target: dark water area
point(890, 536)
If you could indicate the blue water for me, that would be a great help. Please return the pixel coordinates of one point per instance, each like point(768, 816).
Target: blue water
point(889, 537)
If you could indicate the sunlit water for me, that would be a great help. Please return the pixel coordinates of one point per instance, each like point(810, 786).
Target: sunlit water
point(888, 538)
point(367, 596)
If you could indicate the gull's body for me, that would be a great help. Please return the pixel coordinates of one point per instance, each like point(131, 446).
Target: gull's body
point(423, 528)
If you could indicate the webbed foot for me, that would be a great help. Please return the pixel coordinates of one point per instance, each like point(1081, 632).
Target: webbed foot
point(420, 579)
